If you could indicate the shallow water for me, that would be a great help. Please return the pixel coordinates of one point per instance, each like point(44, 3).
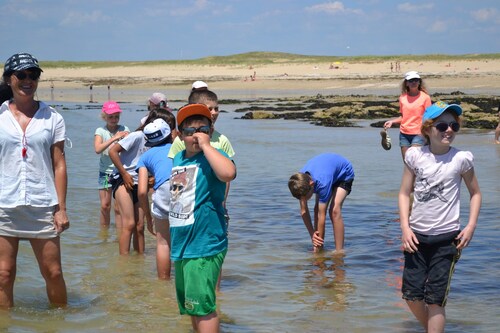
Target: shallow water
point(271, 280)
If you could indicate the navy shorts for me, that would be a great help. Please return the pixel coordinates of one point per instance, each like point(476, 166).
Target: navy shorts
point(427, 272)
point(345, 184)
point(117, 181)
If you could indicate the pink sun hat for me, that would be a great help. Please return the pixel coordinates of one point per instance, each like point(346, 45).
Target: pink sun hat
point(111, 107)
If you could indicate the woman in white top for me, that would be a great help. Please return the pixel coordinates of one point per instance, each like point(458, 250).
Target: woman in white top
point(33, 179)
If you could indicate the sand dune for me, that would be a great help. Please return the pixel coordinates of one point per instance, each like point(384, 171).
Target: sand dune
point(363, 78)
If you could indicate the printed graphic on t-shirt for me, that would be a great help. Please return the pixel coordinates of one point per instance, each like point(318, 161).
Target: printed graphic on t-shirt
point(182, 195)
point(426, 191)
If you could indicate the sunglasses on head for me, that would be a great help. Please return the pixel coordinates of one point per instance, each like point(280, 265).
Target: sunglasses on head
point(24, 74)
point(189, 131)
point(443, 127)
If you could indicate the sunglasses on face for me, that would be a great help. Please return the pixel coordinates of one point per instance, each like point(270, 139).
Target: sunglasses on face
point(443, 127)
point(23, 75)
point(189, 131)
point(414, 80)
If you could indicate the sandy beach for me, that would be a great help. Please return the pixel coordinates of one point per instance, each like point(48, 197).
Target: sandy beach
point(476, 76)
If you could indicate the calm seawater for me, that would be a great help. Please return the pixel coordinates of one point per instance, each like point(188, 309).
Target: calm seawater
point(272, 282)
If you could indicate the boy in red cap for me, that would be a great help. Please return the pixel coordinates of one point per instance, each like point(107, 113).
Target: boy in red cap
point(197, 224)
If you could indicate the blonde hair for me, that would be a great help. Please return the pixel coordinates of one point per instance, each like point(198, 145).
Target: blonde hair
point(299, 184)
point(421, 87)
point(104, 115)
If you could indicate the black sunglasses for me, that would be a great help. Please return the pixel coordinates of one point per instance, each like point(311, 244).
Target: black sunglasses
point(413, 80)
point(443, 127)
point(23, 75)
point(189, 131)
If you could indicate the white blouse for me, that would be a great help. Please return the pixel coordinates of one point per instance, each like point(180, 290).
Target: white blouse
point(29, 179)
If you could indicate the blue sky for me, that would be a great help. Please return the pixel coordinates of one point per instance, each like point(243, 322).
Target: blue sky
point(80, 30)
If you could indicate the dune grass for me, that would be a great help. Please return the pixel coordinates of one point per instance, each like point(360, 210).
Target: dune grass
point(263, 58)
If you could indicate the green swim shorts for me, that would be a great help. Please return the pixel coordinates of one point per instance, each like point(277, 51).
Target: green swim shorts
point(195, 282)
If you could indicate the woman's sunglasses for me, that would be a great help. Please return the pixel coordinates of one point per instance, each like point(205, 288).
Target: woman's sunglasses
point(189, 131)
point(23, 75)
point(443, 127)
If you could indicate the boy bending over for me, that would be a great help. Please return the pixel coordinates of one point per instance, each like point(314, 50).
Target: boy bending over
point(330, 176)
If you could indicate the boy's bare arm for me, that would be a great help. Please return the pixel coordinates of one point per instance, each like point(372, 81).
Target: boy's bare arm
point(320, 210)
point(223, 167)
point(306, 217)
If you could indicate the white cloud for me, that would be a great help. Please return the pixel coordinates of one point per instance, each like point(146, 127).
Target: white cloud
point(197, 6)
point(411, 8)
point(78, 18)
point(333, 8)
point(485, 14)
point(438, 26)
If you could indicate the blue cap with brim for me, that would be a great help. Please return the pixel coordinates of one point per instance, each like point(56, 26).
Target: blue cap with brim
point(437, 109)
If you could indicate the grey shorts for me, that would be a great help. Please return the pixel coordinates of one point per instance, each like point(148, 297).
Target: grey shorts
point(27, 222)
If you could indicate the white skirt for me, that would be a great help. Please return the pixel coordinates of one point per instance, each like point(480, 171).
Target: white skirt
point(27, 222)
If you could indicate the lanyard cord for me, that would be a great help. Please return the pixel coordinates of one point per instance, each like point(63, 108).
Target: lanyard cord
point(25, 146)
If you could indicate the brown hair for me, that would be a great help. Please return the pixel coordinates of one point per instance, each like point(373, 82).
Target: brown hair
point(202, 96)
point(300, 184)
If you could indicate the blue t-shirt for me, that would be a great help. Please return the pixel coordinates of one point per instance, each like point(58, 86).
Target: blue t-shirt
point(158, 164)
point(326, 170)
point(197, 224)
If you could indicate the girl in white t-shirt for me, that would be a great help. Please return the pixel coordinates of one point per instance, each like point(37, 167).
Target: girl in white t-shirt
point(104, 138)
point(431, 235)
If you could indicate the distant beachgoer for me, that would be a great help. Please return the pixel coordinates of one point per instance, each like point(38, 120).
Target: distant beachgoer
point(52, 90)
point(330, 177)
point(392, 67)
point(33, 180)
point(413, 101)
point(91, 99)
point(497, 130)
point(199, 85)
point(104, 138)
point(431, 235)
point(109, 92)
